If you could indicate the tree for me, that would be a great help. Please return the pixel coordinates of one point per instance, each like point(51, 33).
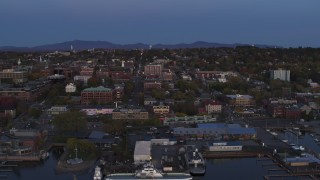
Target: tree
point(128, 87)
point(35, 113)
point(72, 121)
point(94, 82)
point(85, 149)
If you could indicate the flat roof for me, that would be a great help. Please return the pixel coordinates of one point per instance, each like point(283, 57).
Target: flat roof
point(142, 148)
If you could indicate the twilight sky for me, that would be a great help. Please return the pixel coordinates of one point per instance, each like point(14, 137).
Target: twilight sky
point(288, 23)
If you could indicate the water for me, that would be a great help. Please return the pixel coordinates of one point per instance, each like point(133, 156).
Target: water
point(229, 169)
point(45, 170)
point(244, 168)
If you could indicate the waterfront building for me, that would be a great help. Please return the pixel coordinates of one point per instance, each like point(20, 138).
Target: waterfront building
point(142, 152)
point(101, 140)
point(225, 131)
point(280, 74)
point(225, 146)
point(98, 95)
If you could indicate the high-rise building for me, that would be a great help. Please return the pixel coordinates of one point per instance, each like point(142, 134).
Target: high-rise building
point(281, 74)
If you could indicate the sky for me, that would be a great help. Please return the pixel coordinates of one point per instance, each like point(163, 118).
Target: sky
point(287, 23)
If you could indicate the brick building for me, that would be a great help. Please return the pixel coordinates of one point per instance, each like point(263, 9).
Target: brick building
point(98, 95)
point(149, 85)
point(153, 69)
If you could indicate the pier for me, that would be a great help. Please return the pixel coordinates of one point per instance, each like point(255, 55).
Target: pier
point(231, 154)
point(20, 158)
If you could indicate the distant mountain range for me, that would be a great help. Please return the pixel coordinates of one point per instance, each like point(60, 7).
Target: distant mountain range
point(79, 45)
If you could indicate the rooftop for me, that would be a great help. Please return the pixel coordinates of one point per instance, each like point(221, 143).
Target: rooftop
point(97, 89)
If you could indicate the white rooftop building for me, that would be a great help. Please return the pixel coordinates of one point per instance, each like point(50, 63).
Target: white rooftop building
point(281, 74)
point(70, 88)
point(142, 152)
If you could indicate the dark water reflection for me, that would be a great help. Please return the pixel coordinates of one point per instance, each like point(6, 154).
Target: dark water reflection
point(43, 171)
point(217, 169)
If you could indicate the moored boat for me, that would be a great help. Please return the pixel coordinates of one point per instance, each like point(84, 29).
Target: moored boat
point(149, 172)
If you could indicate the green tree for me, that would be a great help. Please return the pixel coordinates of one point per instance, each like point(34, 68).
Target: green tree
point(85, 149)
point(35, 113)
point(73, 121)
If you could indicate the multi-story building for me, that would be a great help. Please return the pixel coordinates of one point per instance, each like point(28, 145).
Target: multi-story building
point(188, 120)
point(98, 95)
point(149, 85)
point(15, 76)
point(281, 74)
point(213, 107)
point(275, 110)
point(240, 100)
point(213, 74)
point(282, 111)
point(153, 69)
point(86, 71)
point(167, 75)
point(161, 109)
point(120, 75)
point(30, 92)
point(83, 79)
point(130, 114)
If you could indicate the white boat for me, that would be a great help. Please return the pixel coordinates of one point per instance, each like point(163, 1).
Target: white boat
point(298, 148)
point(150, 173)
point(316, 139)
point(195, 162)
point(44, 155)
point(97, 173)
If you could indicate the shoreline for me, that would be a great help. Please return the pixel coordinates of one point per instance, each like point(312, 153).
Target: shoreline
point(63, 167)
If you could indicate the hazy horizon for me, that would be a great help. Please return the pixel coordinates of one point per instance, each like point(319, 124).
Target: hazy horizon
point(284, 23)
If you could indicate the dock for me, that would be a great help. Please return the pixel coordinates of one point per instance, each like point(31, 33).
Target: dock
point(231, 154)
point(19, 158)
